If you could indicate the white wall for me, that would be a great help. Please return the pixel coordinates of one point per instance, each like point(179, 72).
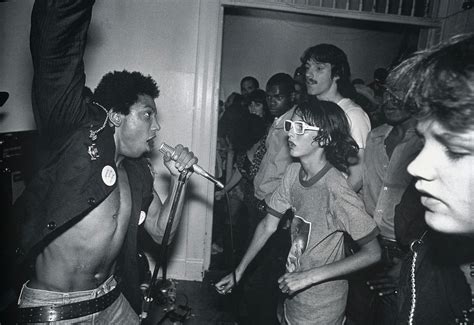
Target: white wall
point(260, 43)
point(175, 41)
point(15, 66)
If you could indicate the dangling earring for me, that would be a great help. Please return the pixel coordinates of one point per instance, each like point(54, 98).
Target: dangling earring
point(323, 142)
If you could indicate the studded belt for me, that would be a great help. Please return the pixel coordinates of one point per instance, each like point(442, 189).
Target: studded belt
point(67, 311)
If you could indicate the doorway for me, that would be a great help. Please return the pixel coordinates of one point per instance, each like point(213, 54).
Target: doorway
point(260, 43)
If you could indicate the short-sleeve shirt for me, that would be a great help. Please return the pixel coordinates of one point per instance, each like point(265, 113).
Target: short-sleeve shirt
point(276, 159)
point(386, 179)
point(358, 119)
point(323, 206)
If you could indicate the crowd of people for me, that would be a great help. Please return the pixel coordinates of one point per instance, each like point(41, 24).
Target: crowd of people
point(356, 198)
point(368, 187)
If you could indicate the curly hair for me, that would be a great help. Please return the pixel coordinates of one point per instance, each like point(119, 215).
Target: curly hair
point(252, 80)
point(118, 90)
point(439, 83)
point(335, 137)
point(284, 81)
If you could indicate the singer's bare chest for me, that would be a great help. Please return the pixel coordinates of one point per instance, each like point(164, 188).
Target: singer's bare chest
point(113, 214)
point(99, 235)
point(118, 205)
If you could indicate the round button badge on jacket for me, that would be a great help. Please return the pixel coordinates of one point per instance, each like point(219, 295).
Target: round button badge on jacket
point(108, 175)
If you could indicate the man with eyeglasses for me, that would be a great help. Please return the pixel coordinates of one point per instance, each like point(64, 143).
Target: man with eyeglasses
point(389, 149)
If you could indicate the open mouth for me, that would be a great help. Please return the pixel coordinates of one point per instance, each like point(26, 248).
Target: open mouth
point(310, 81)
point(151, 141)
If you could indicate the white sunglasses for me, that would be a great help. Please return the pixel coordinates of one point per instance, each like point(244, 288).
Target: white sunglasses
point(299, 126)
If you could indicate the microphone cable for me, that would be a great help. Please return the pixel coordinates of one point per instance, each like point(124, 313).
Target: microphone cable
point(232, 247)
point(233, 262)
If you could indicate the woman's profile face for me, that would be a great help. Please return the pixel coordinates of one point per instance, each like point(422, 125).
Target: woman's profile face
point(256, 108)
point(445, 177)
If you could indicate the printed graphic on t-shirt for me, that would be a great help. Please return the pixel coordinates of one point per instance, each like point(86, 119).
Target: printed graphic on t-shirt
point(300, 233)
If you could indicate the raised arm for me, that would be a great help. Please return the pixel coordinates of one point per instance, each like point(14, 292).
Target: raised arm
point(57, 41)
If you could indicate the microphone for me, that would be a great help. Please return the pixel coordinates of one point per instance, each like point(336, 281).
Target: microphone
point(164, 148)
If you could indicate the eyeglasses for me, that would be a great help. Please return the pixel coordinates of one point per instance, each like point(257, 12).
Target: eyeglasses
point(300, 127)
point(392, 94)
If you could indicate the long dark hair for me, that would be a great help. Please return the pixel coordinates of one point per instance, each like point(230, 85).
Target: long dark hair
point(259, 96)
point(340, 148)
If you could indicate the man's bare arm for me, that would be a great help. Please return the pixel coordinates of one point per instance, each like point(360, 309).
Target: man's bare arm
point(355, 173)
point(158, 212)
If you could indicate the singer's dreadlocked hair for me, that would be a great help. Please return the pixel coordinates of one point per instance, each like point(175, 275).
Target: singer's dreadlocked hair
point(118, 90)
point(439, 83)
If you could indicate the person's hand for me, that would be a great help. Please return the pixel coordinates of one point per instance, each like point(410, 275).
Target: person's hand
point(225, 285)
point(386, 282)
point(290, 283)
point(181, 160)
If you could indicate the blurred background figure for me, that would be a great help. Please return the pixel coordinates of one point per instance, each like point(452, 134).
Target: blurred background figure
point(366, 99)
point(247, 85)
point(377, 85)
point(357, 81)
point(390, 148)
point(249, 151)
point(300, 85)
point(228, 138)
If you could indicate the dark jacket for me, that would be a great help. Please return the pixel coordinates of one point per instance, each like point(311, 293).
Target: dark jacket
point(442, 291)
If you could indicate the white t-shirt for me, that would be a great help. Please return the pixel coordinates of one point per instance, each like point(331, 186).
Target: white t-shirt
point(358, 120)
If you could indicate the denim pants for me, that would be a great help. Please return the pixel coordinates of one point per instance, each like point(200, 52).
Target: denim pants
point(119, 312)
